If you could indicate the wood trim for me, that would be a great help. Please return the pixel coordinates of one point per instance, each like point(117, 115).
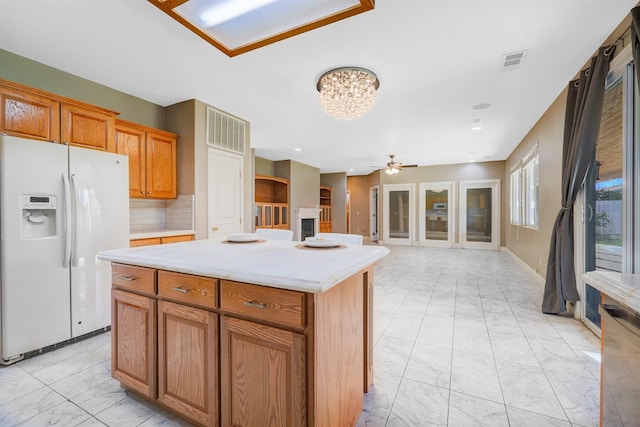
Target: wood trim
point(167, 7)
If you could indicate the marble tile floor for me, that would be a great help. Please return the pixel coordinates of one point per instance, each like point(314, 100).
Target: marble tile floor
point(459, 341)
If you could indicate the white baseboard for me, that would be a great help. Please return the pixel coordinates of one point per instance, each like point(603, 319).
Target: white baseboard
point(530, 270)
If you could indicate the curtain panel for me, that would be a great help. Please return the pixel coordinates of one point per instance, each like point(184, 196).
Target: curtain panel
point(582, 122)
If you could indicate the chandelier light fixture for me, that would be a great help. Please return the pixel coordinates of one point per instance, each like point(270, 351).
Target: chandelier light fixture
point(348, 92)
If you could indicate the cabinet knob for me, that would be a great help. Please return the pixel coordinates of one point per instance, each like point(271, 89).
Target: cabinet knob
point(148, 193)
point(141, 192)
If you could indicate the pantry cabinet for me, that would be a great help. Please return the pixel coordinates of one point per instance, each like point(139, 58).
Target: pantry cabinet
point(32, 113)
point(152, 160)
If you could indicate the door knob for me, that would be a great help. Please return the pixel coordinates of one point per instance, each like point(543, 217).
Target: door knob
point(214, 228)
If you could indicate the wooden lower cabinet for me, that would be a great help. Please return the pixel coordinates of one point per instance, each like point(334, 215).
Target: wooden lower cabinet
point(133, 332)
point(160, 240)
point(188, 361)
point(225, 353)
point(263, 375)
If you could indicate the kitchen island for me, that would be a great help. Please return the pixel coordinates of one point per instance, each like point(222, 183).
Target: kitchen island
point(266, 333)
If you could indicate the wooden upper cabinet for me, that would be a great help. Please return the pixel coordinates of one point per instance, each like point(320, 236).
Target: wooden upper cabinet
point(130, 141)
point(87, 127)
point(161, 159)
point(29, 115)
point(152, 160)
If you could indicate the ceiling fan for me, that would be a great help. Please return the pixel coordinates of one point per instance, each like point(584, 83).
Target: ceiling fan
point(394, 167)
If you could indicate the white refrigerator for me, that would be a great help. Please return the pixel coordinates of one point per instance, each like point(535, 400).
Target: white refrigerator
point(59, 206)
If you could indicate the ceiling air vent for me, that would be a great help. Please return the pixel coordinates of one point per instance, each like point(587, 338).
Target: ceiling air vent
point(513, 61)
point(225, 132)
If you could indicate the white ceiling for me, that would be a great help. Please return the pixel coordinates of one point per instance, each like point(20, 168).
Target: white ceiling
point(435, 60)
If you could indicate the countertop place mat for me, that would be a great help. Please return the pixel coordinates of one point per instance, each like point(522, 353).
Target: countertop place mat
point(244, 243)
point(322, 248)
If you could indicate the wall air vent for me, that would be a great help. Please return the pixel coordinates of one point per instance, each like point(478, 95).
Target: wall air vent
point(513, 61)
point(225, 132)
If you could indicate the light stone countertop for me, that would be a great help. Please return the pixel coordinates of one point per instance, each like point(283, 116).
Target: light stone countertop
point(158, 233)
point(624, 288)
point(273, 263)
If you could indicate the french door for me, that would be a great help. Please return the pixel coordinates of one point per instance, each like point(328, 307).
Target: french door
point(398, 208)
point(480, 214)
point(436, 215)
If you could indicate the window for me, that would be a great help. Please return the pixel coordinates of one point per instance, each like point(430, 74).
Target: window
point(515, 198)
point(530, 187)
point(524, 194)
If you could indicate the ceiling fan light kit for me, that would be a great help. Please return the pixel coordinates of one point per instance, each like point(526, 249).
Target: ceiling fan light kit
point(348, 92)
point(394, 167)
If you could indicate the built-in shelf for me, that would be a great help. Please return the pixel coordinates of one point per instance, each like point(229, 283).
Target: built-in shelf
point(271, 202)
point(325, 209)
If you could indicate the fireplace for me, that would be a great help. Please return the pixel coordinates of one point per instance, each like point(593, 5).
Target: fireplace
point(307, 223)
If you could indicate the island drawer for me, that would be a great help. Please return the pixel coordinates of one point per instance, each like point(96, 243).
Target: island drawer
point(139, 279)
point(261, 302)
point(188, 288)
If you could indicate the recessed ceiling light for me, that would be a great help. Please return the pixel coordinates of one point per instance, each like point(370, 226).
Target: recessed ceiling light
point(482, 106)
point(476, 128)
point(350, 169)
point(297, 149)
point(475, 120)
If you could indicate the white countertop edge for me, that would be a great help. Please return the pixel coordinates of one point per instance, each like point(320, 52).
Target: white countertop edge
point(159, 233)
point(273, 281)
point(624, 288)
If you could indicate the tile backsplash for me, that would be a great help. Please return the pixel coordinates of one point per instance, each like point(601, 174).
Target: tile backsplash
point(155, 215)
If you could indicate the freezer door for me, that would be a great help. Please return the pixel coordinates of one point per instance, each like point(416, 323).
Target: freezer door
point(35, 309)
point(100, 189)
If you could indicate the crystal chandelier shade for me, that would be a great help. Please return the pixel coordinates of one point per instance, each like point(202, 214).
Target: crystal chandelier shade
point(348, 92)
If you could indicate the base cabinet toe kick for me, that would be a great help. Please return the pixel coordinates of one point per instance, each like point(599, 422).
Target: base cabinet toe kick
point(222, 353)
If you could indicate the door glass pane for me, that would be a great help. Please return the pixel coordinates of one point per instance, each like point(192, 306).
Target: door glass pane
point(399, 214)
point(479, 215)
point(437, 214)
point(258, 216)
point(267, 216)
point(284, 216)
point(604, 228)
point(276, 215)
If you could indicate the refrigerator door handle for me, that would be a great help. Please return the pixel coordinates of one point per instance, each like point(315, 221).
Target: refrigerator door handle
point(74, 232)
point(67, 222)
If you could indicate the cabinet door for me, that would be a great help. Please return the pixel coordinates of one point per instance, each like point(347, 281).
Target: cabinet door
point(131, 142)
point(29, 115)
point(133, 342)
point(161, 166)
point(87, 128)
point(176, 239)
point(263, 375)
point(188, 361)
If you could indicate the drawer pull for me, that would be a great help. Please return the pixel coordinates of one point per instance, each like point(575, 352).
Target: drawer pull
point(129, 278)
point(255, 304)
point(180, 289)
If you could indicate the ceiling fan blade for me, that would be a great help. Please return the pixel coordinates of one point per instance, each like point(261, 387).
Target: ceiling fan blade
point(407, 166)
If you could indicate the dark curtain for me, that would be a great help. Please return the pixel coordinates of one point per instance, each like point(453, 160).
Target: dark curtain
point(582, 122)
point(635, 41)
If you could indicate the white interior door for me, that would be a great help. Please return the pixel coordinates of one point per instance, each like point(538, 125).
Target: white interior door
point(398, 214)
point(224, 193)
point(480, 214)
point(437, 220)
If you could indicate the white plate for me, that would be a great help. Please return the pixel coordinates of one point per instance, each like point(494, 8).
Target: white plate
point(320, 243)
point(242, 237)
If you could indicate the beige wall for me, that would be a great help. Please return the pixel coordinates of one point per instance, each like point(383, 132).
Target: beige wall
point(263, 166)
point(188, 119)
point(359, 199)
point(338, 184)
point(532, 246)
point(304, 187)
point(31, 73)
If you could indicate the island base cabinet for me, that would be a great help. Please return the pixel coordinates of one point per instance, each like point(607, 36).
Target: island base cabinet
point(188, 361)
point(263, 375)
point(133, 346)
